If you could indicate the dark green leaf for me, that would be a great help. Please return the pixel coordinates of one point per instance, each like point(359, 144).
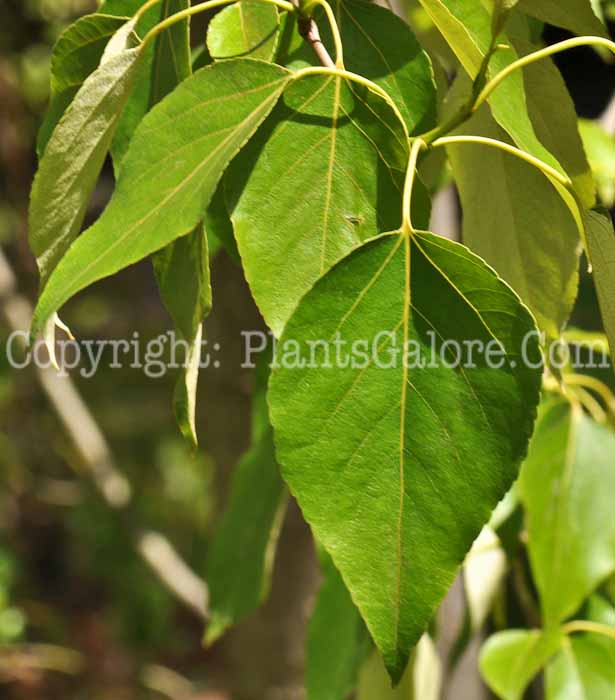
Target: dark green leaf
point(397, 470)
point(74, 156)
point(509, 660)
point(567, 484)
point(171, 172)
point(248, 28)
point(324, 173)
point(242, 552)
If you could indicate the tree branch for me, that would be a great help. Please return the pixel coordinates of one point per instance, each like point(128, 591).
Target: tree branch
point(309, 31)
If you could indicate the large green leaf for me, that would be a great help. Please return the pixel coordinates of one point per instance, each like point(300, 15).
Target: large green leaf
point(337, 641)
point(567, 483)
point(173, 167)
point(324, 173)
point(583, 670)
point(76, 151)
point(242, 552)
point(515, 219)
point(575, 15)
point(601, 250)
point(381, 47)
point(509, 660)
point(397, 469)
point(248, 28)
point(75, 56)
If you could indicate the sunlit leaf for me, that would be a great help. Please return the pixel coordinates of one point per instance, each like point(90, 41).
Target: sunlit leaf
point(247, 28)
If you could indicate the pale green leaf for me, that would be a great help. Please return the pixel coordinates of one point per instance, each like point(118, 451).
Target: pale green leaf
point(575, 15)
point(337, 641)
point(515, 219)
point(75, 154)
point(583, 670)
point(509, 660)
point(600, 147)
point(601, 252)
point(323, 174)
point(567, 484)
point(397, 470)
point(248, 28)
point(600, 610)
point(242, 553)
point(381, 47)
point(171, 172)
point(422, 679)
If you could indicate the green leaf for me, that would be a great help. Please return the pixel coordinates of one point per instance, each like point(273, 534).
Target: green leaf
point(500, 13)
point(575, 15)
point(176, 159)
point(337, 641)
point(600, 147)
point(381, 46)
point(323, 174)
point(248, 28)
point(242, 553)
point(422, 679)
point(75, 154)
point(567, 484)
point(584, 670)
point(172, 60)
point(600, 610)
point(509, 660)
point(397, 469)
point(75, 56)
point(601, 252)
point(535, 246)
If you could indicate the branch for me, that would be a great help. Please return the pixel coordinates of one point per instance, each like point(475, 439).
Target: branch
point(97, 459)
point(309, 31)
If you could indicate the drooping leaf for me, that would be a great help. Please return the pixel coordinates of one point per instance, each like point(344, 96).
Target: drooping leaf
point(248, 28)
point(381, 46)
point(76, 151)
point(75, 56)
point(509, 660)
point(397, 469)
point(323, 174)
point(241, 557)
point(515, 219)
point(575, 15)
point(600, 147)
point(172, 60)
point(337, 641)
point(171, 172)
point(583, 670)
point(601, 251)
point(422, 679)
point(567, 484)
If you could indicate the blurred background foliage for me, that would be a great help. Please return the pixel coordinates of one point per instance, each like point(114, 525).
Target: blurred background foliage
point(81, 615)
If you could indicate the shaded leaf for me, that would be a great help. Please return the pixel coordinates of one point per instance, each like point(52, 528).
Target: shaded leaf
point(175, 162)
point(600, 147)
point(74, 156)
point(241, 557)
point(509, 660)
point(172, 60)
point(567, 484)
point(583, 670)
point(397, 469)
point(248, 28)
point(575, 15)
point(324, 173)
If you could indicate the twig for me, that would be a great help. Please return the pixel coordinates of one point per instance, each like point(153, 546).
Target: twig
point(96, 456)
point(309, 31)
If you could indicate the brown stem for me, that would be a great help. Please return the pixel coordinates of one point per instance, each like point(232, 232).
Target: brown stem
point(309, 31)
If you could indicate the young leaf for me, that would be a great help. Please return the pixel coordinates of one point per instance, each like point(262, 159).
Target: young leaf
point(74, 156)
point(601, 251)
point(509, 660)
point(176, 159)
point(337, 640)
point(248, 28)
point(323, 174)
point(583, 670)
point(575, 15)
point(381, 46)
point(535, 245)
point(75, 56)
point(242, 553)
point(397, 465)
point(567, 484)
